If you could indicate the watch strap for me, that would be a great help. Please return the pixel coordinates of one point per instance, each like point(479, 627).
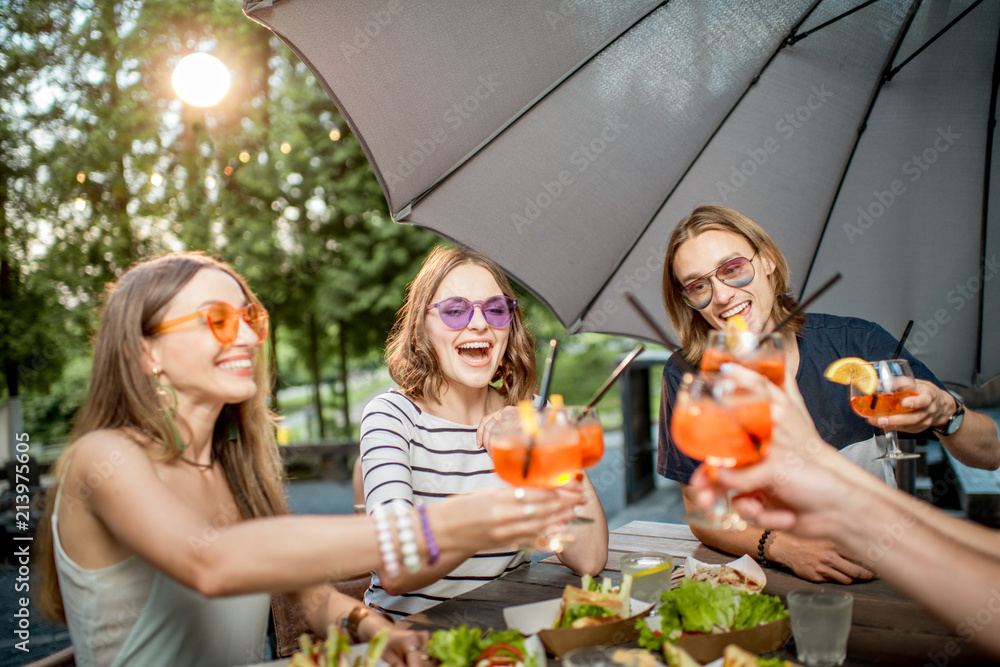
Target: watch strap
point(955, 421)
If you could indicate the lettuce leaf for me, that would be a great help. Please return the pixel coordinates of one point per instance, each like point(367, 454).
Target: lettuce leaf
point(649, 639)
point(460, 646)
point(697, 606)
point(758, 609)
point(576, 612)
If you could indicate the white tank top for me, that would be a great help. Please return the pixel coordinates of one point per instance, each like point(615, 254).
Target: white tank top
point(132, 615)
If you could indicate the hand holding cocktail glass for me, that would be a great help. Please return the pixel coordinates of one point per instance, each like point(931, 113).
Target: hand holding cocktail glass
point(537, 449)
point(895, 383)
point(724, 423)
point(796, 455)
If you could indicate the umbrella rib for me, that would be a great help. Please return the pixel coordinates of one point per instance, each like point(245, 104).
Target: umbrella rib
point(861, 129)
point(579, 319)
point(891, 73)
point(990, 128)
point(795, 38)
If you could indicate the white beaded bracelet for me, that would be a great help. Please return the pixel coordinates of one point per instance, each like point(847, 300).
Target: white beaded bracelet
point(407, 537)
point(386, 545)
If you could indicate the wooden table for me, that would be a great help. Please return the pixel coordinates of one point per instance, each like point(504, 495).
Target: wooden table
point(887, 628)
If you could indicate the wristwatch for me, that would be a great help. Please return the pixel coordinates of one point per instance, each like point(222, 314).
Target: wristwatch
point(955, 420)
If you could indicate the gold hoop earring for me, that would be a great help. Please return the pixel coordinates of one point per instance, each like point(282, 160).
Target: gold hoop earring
point(166, 395)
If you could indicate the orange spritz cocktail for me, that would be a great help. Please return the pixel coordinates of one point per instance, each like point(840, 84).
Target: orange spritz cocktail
point(720, 436)
point(882, 405)
point(877, 390)
point(591, 442)
point(765, 355)
point(714, 357)
point(724, 425)
point(555, 452)
point(588, 425)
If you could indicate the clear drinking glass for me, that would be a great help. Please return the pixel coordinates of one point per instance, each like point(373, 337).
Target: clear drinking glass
point(821, 623)
point(725, 425)
point(650, 572)
point(589, 656)
point(765, 355)
point(543, 453)
point(895, 382)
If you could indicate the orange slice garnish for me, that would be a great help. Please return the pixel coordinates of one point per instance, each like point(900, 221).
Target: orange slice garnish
point(529, 419)
point(736, 326)
point(852, 370)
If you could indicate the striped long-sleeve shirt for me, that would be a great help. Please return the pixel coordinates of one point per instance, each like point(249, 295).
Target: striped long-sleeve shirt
point(407, 453)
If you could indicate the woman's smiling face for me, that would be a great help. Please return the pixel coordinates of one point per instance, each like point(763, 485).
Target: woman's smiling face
point(706, 252)
point(194, 362)
point(468, 357)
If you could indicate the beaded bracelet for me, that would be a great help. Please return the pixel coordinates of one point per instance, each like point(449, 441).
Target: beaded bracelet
point(433, 553)
point(386, 545)
point(407, 538)
point(760, 549)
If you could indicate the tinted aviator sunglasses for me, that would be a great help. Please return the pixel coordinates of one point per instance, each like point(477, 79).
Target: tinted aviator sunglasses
point(224, 321)
point(456, 312)
point(736, 272)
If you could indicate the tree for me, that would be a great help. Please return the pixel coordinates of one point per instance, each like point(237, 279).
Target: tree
point(117, 169)
point(30, 353)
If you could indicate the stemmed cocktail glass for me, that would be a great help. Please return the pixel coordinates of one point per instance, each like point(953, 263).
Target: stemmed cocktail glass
point(531, 449)
point(763, 354)
point(895, 382)
point(725, 425)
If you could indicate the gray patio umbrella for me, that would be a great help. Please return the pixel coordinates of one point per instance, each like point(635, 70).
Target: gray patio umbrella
point(567, 139)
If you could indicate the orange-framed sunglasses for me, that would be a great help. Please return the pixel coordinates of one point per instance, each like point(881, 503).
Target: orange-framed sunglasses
point(224, 321)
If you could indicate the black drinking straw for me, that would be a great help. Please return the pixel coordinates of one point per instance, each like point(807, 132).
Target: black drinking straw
point(614, 376)
point(902, 339)
point(659, 332)
point(805, 304)
point(542, 398)
point(547, 374)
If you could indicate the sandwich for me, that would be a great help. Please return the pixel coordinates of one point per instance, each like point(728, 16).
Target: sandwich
point(675, 656)
point(736, 656)
point(594, 604)
point(724, 574)
point(336, 651)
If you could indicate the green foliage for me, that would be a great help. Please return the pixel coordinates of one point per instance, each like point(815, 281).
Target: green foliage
point(108, 167)
point(49, 416)
point(102, 166)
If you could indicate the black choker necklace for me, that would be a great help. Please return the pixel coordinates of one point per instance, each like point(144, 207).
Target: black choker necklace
point(203, 466)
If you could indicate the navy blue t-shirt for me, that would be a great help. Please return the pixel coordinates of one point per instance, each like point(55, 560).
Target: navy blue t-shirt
point(823, 340)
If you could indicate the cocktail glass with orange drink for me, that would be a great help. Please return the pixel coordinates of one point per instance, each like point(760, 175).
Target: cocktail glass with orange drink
point(877, 390)
point(763, 354)
point(537, 449)
point(725, 425)
point(588, 423)
point(894, 382)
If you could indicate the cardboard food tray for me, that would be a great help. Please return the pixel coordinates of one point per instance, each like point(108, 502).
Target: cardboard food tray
point(538, 617)
point(761, 639)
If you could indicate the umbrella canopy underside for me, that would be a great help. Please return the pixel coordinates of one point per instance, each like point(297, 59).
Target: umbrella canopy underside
point(566, 140)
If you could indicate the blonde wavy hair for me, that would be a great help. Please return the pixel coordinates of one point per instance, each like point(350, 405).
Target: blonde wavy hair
point(410, 355)
point(692, 328)
point(122, 397)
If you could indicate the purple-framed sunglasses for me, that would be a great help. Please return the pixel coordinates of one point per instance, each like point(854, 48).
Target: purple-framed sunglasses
point(456, 312)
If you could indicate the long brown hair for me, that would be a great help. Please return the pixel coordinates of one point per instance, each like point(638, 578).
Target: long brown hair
point(413, 364)
point(694, 329)
point(122, 397)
